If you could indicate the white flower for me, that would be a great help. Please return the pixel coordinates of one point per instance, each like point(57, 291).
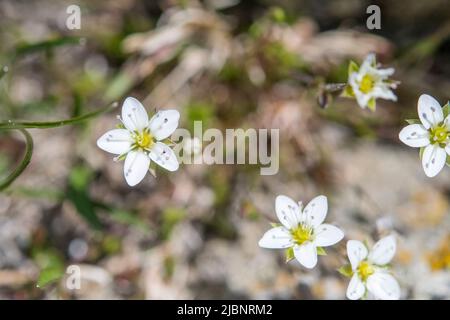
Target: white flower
point(302, 230)
point(433, 134)
point(369, 270)
point(369, 83)
point(140, 141)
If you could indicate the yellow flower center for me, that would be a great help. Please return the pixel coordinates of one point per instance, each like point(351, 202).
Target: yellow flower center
point(365, 270)
point(144, 139)
point(367, 83)
point(439, 134)
point(301, 234)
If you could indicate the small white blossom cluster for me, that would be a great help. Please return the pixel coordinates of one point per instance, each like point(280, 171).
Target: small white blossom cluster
point(301, 229)
point(370, 272)
point(369, 82)
point(431, 134)
point(303, 235)
point(139, 140)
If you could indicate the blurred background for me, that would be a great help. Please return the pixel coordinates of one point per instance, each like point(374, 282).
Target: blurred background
point(231, 64)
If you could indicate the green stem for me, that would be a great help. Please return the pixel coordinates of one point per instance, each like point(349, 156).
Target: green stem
point(12, 124)
point(22, 125)
point(40, 193)
point(25, 161)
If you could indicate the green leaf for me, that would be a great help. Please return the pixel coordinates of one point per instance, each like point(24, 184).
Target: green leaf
point(372, 104)
point(346, 270)
point(122, 216)
point(46, 45)
point(77, 104)
point(413, 121)
point(447, 161)
point(111, 244)
point(152, 168)
point(152, 171)
point(366, 243)
point(129, 218)
point(348, 92)
point(23, 164)
point(374, 62)
point(446, 109)
point(352, 67)
point(37, 192)
point(50, 265)
point(49, 275)
point(289, 254)
point(80, 177)
point(199, 111)
point(168, 141)
point(275, 224)
point(120, 85)
point(169, 267)
point(321, 251)
point(278, 15)
point(170, 218)
point(422, 149)
point(77, 193)
point(122, 157)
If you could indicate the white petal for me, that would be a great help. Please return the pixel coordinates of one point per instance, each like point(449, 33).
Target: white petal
point(433, 159)
point(135, 167)
point(316, 211)
point(356, 288)
point(415, 135)
point(362, 98)
point(327, 235)
point(164, 123)
point(384, 92)
point(163, 155)
point(430, 111)
point(356, 252)
point(447, 122)
point(383, 251)
point(368, 63)
point(288, 212)
point(276, 238)
point(383, 286)
point(117, 141)
point(385, 73)
point(353, 81)
point(134, 116)
point(306, 254)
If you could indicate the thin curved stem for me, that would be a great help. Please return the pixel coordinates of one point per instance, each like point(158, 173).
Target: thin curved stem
point(23, 164)
point(12, 124)
point(22, 125)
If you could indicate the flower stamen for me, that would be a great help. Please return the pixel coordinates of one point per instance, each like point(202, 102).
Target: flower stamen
point(365, 270)
point(439, 134)
point(301, 234)
point(143, 140)
point(367, 83)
